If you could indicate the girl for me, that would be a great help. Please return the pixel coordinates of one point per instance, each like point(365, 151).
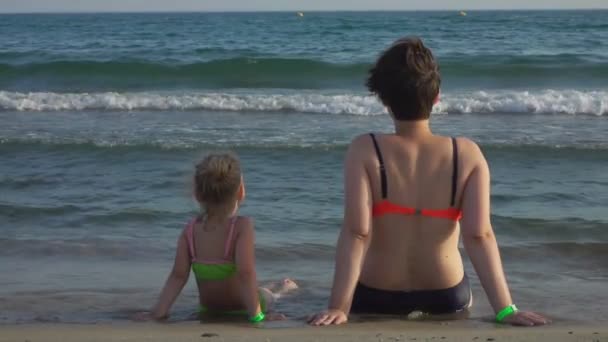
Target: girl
point(219, 247)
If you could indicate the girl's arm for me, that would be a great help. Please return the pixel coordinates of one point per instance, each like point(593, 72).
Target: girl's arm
point(245, 265)
point(176, 280)
point(480, 242)
point(353, 236)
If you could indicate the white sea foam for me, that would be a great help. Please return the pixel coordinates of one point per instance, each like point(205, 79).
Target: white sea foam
point(483, 102)
point(538, 102)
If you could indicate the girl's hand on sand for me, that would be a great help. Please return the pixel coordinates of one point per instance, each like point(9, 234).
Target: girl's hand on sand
point(145, 316)
point(328, 317)
point(526, 319)
point(275, 317)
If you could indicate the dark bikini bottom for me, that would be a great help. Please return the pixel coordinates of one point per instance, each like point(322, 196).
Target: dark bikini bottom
point(444, 301)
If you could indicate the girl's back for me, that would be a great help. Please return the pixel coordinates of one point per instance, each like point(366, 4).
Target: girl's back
point(213, 249)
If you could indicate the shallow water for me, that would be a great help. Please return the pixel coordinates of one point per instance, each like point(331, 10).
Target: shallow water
point(98, 140)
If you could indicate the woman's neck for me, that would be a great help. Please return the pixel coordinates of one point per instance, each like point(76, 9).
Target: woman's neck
point(413, 129)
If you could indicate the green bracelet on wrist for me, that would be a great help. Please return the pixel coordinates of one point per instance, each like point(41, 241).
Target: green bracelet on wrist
point(506, 312)
point(257, 318)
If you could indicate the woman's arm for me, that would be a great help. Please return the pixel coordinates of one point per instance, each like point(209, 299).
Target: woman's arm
point(176, 280)
point(480, 242)
point(245, 265)
point(353, 237)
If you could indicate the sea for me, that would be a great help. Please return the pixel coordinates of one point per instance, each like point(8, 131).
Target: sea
point(103, 116)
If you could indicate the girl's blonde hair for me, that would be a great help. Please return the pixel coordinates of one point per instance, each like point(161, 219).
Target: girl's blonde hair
point(217, 179)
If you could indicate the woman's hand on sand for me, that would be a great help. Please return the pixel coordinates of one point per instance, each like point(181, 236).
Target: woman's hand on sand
point(526, 319)
point(328, 317)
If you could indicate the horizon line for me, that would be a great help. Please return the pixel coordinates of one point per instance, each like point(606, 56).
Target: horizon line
point(309, 11)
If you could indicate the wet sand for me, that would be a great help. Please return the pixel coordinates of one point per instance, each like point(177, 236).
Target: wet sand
point(392, 331)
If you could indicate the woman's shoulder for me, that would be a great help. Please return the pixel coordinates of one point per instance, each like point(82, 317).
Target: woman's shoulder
point(363, 142)
point(360, 150)
point(469, 149)
point(471, 157)
point(364, 138)
point(465, 144)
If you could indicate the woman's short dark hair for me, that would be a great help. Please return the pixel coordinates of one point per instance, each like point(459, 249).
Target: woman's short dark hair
point(406, 79)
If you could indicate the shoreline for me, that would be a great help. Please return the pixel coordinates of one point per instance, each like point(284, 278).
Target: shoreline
point(297, 331)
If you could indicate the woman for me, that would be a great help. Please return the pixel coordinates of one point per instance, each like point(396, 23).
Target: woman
point(405, 195)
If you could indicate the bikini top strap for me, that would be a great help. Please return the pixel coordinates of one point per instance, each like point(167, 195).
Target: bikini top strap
point(382, 169)
point(231, 239)
point(190, 237)
point(454, 171)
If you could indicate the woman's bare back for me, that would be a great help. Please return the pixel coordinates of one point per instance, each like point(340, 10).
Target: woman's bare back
point(413, 252)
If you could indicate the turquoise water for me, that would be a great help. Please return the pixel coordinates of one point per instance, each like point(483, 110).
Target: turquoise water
point(104, 115)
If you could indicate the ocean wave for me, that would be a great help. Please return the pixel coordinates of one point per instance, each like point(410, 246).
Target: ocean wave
point(241, 72)
point(525, 66)
point(591, 102)
point(87, 144)
point(568, 229)
point(78, 248)
point(249, 70)
point(133, 248)
point(535, 102)
point(126, 248)
point(570, 252)
point(85, 214)
point(18, 211)
point(593, 151)
point(308, 103)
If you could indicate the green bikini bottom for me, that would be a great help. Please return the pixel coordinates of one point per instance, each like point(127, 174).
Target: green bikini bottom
point(204, 310)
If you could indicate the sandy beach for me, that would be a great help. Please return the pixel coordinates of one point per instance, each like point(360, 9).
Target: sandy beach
point(104, 116)
point(297, 332)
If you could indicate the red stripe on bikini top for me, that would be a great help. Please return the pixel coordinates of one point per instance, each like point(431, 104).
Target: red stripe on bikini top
point(385, 207)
